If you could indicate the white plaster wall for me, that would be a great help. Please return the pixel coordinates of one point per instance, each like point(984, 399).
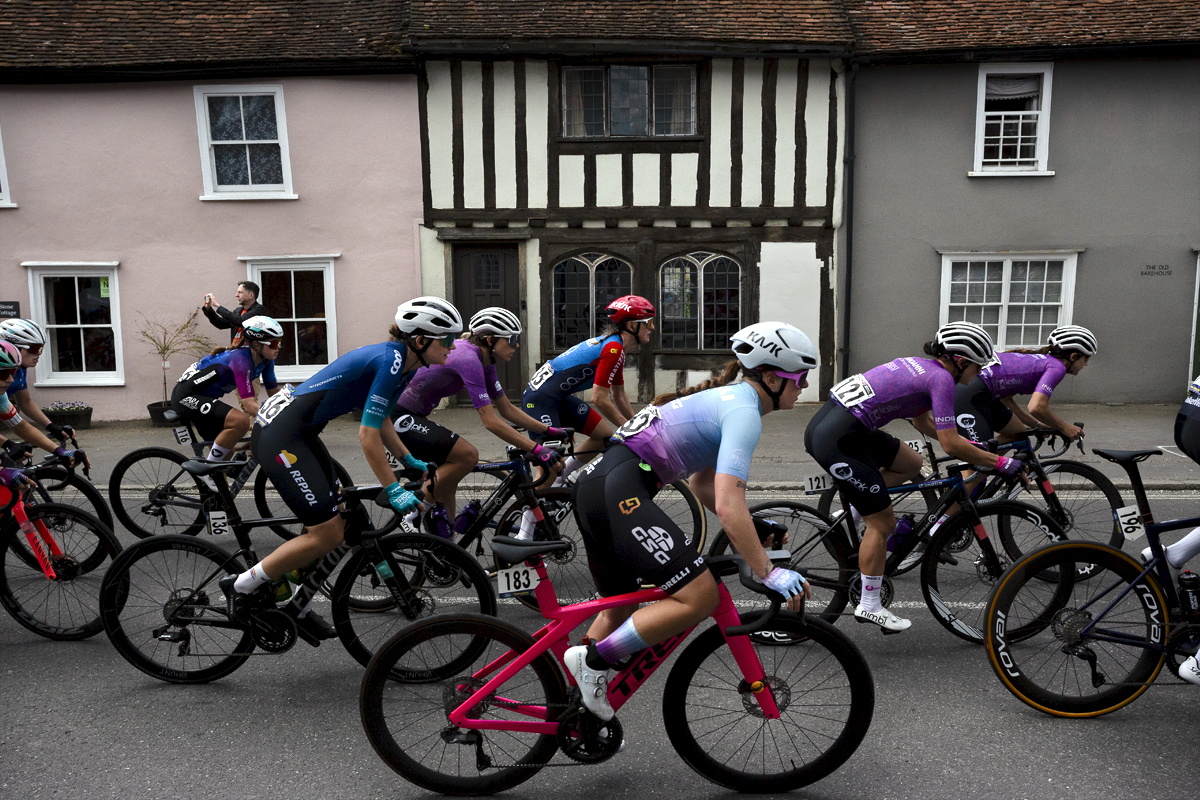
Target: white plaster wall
point(790, 277)
point(472, 94)
point(720, 158)
point(685, 168)
point(440, 108)
point(505, 134)
point(570, 181)
point(608, 179)
point(816, 126)
point(785, 126)
point(537, 107)
point(752, 133)
point(645, 179)
point(533, 302)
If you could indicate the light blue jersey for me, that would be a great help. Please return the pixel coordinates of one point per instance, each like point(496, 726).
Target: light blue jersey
point(715, 428)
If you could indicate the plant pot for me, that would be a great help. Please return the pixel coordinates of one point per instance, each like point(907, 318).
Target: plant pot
point(157, 414)
point(78, 418)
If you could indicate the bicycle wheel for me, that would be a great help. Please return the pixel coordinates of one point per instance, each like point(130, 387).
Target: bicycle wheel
point(66, 607)
point(568, 570)
point(820, 682)
point(151, 494)
point(1056, 665)
point(410, 688)
point(1088, 499)
point(69, 488)
point(163, 611)
point(915, 504)
point(959, 569)
point(440, 577)
point(820, 553)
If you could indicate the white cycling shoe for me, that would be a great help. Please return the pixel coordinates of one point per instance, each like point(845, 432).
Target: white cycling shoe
point(885, 619)
point(593, 683)
point(1189, 670)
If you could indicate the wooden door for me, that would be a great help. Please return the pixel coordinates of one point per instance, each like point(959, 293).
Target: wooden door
point(486, 275)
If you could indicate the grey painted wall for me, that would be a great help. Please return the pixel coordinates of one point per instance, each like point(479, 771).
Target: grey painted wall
point(1125, 147)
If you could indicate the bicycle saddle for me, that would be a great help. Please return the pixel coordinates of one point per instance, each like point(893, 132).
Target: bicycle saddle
point(1126, 456)
point(170, 416)
point(197, 467)
point(516, 551)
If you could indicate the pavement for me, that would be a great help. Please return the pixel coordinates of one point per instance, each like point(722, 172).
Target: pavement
point(780, 462)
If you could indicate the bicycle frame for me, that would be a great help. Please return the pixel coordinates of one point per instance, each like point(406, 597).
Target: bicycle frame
point(33, 531)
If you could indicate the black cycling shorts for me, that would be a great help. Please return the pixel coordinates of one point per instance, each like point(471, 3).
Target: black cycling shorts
point(423, 437)
point(296, 461)
point(977, 413)
point(206, 413)
point(1187, 431)
point(853, 454)
point(565, 412)
point(630, 540)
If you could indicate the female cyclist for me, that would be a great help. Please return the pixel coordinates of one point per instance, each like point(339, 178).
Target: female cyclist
point(27, 336)
point(10, 418)
point(494, 336)
point(985, 407)
point(286, 442)
point(198, 392)
point(708, 432)
point(597, 363)
point(845, 439)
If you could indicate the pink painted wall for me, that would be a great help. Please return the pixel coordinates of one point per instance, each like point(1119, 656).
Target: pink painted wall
point(112, 172)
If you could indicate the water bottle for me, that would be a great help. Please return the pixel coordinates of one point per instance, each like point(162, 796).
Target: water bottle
point(298, 575)
point(283, 590)
point(904, 527)
point(1189, 593)
point(437, 522)
point(465, 517)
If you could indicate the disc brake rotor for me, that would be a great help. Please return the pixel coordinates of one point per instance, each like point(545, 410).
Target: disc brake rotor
point(779, 690)
point(178, 605)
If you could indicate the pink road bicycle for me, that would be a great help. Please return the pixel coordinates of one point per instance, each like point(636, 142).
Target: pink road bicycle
point(468, 704)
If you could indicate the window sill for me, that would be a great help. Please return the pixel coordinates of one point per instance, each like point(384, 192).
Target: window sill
point(1013, 174)
point(249, 196)
point(6, 204)
point(61, 381)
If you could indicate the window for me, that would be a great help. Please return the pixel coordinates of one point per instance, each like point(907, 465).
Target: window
point(298, 294)
point(629, 101)
point(243, 143)
point(1012, 119)
point(583, 286)
point(5, 194)
point(700, 301)
point(1018, 299)
point(77, 305)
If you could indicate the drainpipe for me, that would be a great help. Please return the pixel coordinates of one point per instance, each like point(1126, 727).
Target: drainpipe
point(848, 161)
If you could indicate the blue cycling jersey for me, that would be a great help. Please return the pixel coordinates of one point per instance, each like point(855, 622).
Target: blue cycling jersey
point(596, 361)
point(217, 375)
point(19, 382)
point(370, 378)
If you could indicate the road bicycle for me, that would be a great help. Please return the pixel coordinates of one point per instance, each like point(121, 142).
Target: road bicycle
point(164, 612)
point(55, 481)
point(966, 554)
point(52, 560)
point(464, 704)
point(1082, 645)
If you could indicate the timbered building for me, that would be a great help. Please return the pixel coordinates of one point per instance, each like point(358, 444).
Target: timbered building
point(687, 151)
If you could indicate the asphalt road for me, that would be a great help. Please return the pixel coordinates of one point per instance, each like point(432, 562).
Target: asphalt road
point(77, 721)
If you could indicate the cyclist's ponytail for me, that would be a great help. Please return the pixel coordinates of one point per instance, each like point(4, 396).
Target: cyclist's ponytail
point(218, 351)
point(1029, 351)
point(728, 374)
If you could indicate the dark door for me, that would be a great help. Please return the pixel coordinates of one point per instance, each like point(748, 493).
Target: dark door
point(486, 275)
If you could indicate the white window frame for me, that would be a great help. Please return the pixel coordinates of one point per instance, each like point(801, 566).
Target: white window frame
point(1069, 257)
point(44, 371)
point(207, 163)
point(1046, 70)
point(257, 265)
point(5, 189)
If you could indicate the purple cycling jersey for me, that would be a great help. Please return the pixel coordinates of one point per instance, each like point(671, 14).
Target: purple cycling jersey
point(1023, 373)
point(463, 367)
point(906, 387)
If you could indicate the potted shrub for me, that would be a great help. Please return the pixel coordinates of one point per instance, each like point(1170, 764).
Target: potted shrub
point(166, 340)
point(77, 415)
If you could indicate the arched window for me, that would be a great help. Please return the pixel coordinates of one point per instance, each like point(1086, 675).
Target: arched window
point(700, 301)
point(583, 286)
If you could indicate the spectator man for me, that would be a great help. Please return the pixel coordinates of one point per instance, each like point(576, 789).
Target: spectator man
point(248, 306)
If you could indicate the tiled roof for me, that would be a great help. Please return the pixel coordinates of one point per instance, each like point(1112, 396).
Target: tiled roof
point(907, 26)
point(49, 34)
point(757, 21)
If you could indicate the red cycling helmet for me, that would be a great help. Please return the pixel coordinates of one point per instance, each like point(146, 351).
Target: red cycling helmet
point(631, 308)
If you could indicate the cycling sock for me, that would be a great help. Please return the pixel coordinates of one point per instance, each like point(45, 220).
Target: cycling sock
point(251, 579)
point(571, 464)
point(528, 521)
point(624, 641)
point(218, 453)
point(1184, 550)
point(870, 592)
point(938, 524)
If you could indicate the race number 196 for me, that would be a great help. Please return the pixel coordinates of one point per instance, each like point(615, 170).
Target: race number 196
point(516, 580)
point(1130, 521)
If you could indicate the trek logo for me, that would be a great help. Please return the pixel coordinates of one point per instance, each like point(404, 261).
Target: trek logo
point(285, 458)
point(657, 542)
point(629, 506)
point(645, 662)
point(967, 423)
point(772, 347)
point(397, 363)
point(409, 423)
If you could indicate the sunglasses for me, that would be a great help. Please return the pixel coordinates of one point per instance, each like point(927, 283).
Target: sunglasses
point(35, 349)
point(6, 374)
point(276, 344)
point(446, 341)
point(514, 340)
point(798, 377)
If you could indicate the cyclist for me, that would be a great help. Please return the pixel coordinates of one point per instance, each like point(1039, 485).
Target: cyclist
point(845, 439)
point(985, 407)
point(494, 335)
point(1187, 439)
point(708, 431)
point(286, 443)
point(597, 363)
point(198, 393)
point(28, 337)
point(10, 419)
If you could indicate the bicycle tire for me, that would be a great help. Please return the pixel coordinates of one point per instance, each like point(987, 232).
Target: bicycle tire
point(403, 704)
point(72, 489)
point(959, 571)
point(830, 700)
point(442, 578)
point(64, 608)
point(1036, 666)
point(904, 504)
point(819, 552)
point(569, 570)
point(1089, 500)
point(155, 496)
point(148, 589)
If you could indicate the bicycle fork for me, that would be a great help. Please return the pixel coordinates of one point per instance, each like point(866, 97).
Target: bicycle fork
point(32, 532)
point(755, 680)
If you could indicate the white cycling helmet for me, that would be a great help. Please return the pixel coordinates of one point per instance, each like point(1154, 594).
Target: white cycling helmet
point(967, 340)
point(10, 356)
point(495, 321)
point(262, 329)
point(1075, 338)
point(774, 345)
point(428, 316)
point(22, 332)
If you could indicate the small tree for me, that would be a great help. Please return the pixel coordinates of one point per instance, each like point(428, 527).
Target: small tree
point(166, 340)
